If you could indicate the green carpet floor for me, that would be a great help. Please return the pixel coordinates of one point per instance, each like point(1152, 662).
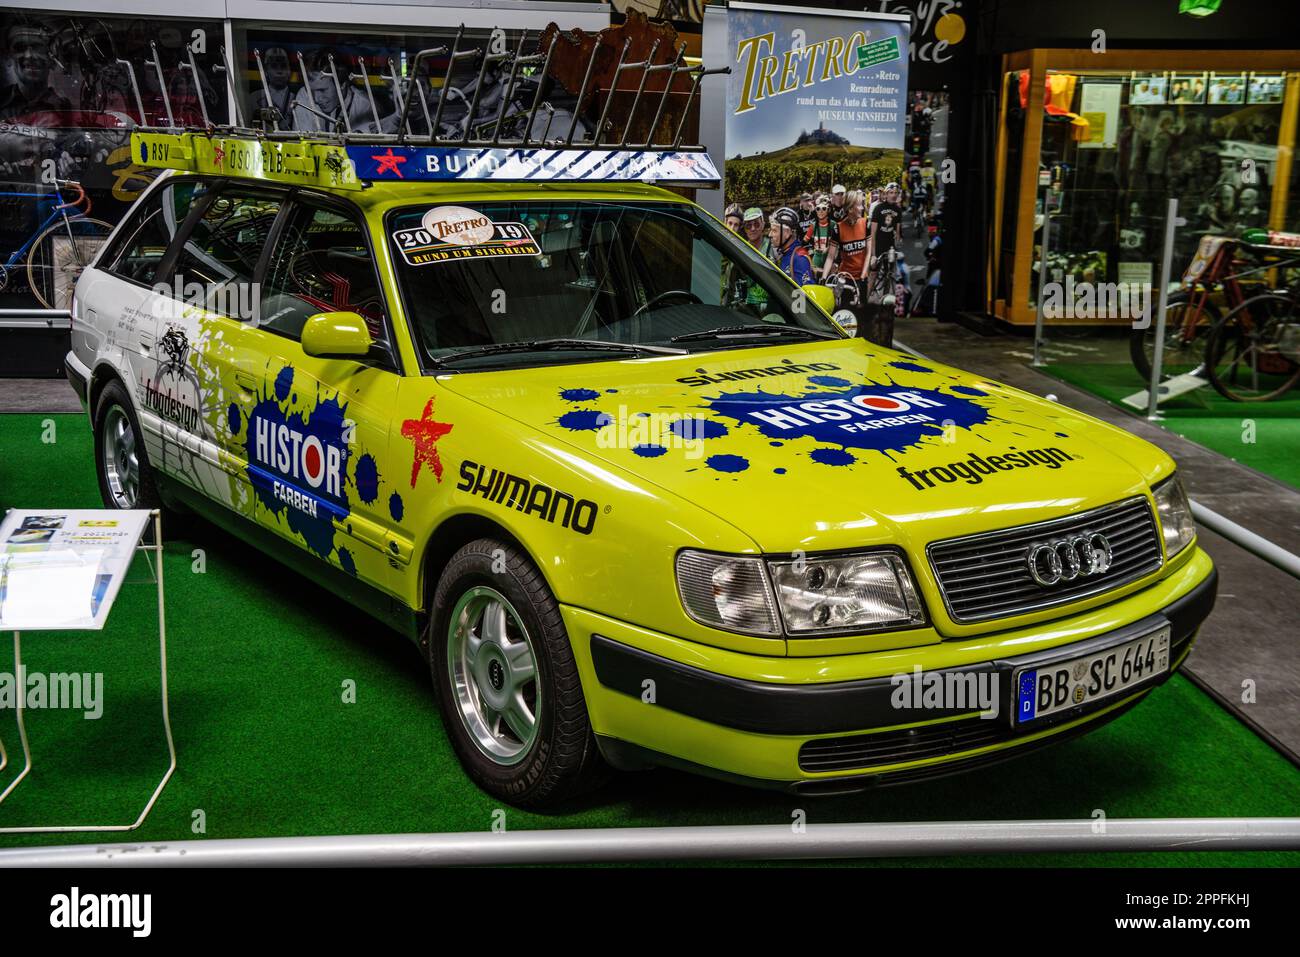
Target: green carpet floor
point(1207, 418)
point(259, 657)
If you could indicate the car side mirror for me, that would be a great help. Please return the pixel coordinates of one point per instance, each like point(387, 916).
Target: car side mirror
point(823, 296)
point(335, 335)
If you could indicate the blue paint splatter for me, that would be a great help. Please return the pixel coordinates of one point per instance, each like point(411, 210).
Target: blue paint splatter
point(1062, 435)
point(612, 391)
point(832, 456)
point(780, 416)
point(779, 471)
point(911, 367)
point(776, 445)
point(697, 429)
point(292, 446)
point(367, 479)
point(727, 463)
point(579, 395)
point(284, 383)
point(830, 380)
point(234, 419)
point(346, 562)
point(649, 451)
point(395, 507)
point(968, 390)
point(585, 420)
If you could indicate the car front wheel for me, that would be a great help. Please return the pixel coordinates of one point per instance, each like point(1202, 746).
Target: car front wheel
point(507, 681)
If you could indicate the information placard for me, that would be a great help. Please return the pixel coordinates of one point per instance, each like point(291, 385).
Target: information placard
point(62, 568)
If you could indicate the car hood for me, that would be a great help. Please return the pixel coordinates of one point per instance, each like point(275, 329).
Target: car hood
point(829, 444)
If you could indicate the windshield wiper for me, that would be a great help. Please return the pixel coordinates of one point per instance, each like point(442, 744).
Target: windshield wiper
point(753, 332)
point(543, 345)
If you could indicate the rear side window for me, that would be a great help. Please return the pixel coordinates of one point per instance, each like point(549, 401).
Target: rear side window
point(321, 263)
point(150, 231)
point(217, 262)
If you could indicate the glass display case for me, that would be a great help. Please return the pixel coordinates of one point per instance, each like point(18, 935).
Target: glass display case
point(1089, 157)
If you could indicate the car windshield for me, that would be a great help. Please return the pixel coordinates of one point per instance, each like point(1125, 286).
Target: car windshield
point(500, 284)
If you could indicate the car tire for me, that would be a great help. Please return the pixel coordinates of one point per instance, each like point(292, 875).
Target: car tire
point(494, 621)
point(121, 463)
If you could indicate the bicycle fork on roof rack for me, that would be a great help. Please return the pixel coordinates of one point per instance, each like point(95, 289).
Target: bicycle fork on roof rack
point(513, 70)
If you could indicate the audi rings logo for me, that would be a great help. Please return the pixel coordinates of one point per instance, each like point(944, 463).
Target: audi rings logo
point(1065, 559)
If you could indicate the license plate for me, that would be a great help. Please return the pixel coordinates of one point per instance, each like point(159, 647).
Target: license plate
point(1049, 689)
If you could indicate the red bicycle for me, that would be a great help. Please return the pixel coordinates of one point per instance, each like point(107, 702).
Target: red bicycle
point(1254, 354)
point(1215, 275)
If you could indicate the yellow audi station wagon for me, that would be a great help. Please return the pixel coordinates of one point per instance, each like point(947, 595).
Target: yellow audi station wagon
point(522, 405)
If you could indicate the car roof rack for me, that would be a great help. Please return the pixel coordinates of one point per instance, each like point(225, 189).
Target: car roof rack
point(455, 134)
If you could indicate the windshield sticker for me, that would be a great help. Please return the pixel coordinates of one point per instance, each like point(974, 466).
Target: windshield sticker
point(448, 233)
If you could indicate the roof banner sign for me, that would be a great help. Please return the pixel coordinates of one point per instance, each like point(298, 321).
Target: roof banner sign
point(300, 162)
point(309, 162)
point(504, 164)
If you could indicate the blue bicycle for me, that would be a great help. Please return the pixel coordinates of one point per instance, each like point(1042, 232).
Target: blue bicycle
point(57, 251)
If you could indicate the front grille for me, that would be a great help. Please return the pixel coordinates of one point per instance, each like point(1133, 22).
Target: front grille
point(826, 758)
point(987, 575)
point(895, 747)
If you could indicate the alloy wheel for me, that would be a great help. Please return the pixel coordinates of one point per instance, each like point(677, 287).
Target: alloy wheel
point(121, 459)
point(493, 671)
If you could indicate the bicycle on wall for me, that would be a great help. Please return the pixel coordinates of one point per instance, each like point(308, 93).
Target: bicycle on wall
point(63, 245)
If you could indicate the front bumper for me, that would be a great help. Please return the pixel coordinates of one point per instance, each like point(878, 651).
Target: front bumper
point(834, 721)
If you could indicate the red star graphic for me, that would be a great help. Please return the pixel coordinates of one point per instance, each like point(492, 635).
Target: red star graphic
point(424, 434)
point(388, 163)
point(218, 155)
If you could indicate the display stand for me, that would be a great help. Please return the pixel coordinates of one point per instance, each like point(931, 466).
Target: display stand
point(103, 534)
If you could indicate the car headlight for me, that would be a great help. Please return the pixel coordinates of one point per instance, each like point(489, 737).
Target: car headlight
point(856, 592)
point(1176, 522)
point(862, 592)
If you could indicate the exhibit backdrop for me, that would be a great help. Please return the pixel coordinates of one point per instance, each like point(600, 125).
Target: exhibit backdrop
point(815, 98)
point(67, 109)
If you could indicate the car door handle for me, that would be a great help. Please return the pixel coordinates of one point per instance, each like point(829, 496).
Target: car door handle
point(246, 381)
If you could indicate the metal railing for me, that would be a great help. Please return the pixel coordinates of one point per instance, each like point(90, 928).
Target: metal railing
point(1242, 537)
point(734, 842)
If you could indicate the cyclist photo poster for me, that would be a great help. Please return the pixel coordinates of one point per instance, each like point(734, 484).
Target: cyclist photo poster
point(815, 99)
point(67, 109)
